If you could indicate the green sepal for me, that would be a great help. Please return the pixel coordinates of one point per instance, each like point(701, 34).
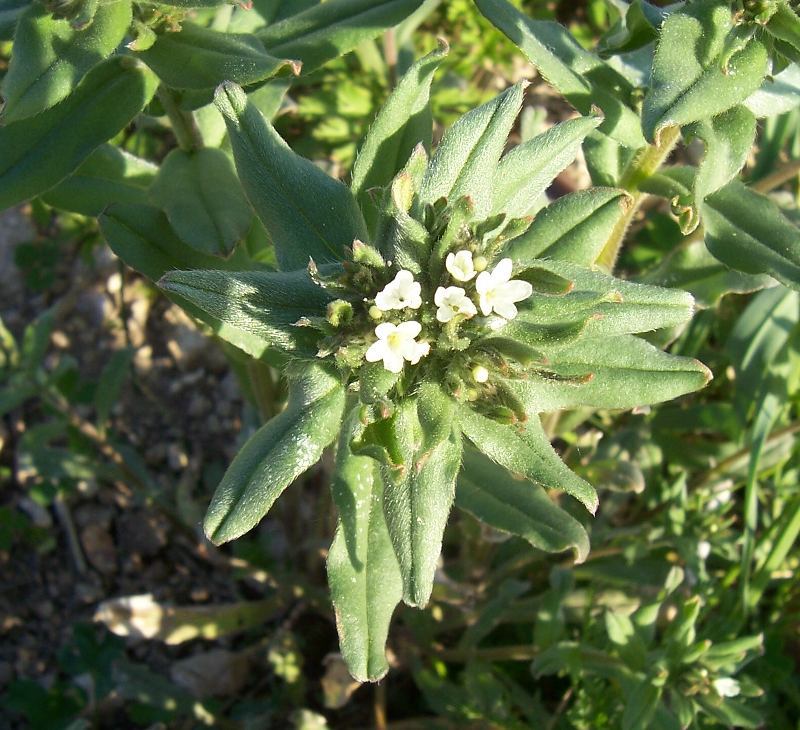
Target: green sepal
point(277, 454)
point(307, 213)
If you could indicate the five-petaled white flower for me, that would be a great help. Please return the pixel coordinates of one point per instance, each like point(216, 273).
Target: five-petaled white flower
point(396, 344)
point(727, 687)
point(453, 301)
point(460, 265)
point(400, 293)
point(497, 291)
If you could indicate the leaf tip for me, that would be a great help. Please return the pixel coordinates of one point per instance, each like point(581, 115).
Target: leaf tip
point(231, 100)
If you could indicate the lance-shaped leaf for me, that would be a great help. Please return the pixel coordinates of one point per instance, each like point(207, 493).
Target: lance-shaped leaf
point(784, 27)
point(692, 268)
point(201, 58)
point(695, 76)
point(518, 506)
point(778, 94)
point(525, 449)
point(203, 200)
point(614, 306)
point(747, 231)
point(142, 237)
point(333, 28)
point(573, 228)
point(109, 175)
point(363, 573)
point(265, 304)
point(608, 372)
point(307, 213)
point(50, 57)
point(420, 486)
point(403, 122)
point(37, 153)
point(527, 171)
point(277, 454)
point(582, 77)
point(464, 162)
point(606, 159)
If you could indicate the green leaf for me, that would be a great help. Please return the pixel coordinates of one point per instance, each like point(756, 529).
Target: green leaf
point(608, 372)
point(35, 341)
point(748, 232)
point(582, 77)
point(640, 705)
point(728, 139)
point(403, 122)
point(50, 57)
point(612, 306)
point(692, 268)
point(695, 76)
point(524, 449)
point(778, 94)
point(111, 381)
point(203, 200)
point(420, 487)
point(277, 454)
point(142, 237)
point(363, 573)
point(201, 58)
point(306, 212)
point(527, 171)
point(333, 28)
point(518, 506)
point(109, 175)
point(573, 228)
point(465, 160)
point(37, 153)
point(264, 304)
point(785, 26)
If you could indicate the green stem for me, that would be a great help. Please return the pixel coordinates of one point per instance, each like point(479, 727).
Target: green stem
point(262, 386)
point(184, 125)
point(642, 166)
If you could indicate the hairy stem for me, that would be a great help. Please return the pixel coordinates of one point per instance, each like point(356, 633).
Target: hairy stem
point(184, 125)
point(641, 167)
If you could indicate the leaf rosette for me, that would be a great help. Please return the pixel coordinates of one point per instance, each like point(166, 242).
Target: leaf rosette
point(426, 342)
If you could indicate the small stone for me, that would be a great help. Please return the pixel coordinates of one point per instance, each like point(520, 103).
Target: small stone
point(59, 339)
point(99, 548)
point(177, 460)
point(215, 673)
point(142, 533)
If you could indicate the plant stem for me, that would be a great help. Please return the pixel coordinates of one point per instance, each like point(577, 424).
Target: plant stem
point(184, 125)
point(379, 705)
point(262, 385)
point(641, 167)
point(783, 174)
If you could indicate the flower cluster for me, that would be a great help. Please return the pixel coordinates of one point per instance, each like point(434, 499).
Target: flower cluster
point(493, 292)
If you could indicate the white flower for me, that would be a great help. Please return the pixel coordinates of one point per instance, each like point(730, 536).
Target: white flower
point(726, 687)
point(400, 293)
point(396, 343)
point(460, 265)
point(703, 549)
point(453, 301)
point(498, 291)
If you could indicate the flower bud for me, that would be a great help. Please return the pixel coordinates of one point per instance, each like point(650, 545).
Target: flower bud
point(375, 312)
point(480, 374)
point(480, 263)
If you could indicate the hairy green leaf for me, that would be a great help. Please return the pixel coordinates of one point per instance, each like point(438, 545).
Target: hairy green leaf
point(37, 153)
point(277, 454)
point(203, 200)
point(332, 28)
point(109, 175)
point(403, 122)
point(264, 304)
point(465, 159)
point(306, 212)
point(518, 506)
point(694, 74)
point(420, 487)
point(748, 232)
point(573, 228)
point(528, 170)
point(608, 372)
point(50, 57)
point(582, 77)
point(201, 58)
point(524, 449)
point(363, 573)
